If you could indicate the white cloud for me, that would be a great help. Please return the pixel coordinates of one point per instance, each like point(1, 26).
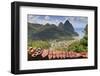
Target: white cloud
point(76, 21)
point(32, 18)
point(47, 17)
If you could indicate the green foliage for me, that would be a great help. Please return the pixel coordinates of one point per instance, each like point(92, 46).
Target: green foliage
point(81, 45)
point(77, 47)
point(46, 34)
point(29, 42)
point(84, 41)
point(39, 44)
point(60, 49)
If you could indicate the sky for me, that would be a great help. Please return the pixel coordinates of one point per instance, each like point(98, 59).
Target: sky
point(77, 21)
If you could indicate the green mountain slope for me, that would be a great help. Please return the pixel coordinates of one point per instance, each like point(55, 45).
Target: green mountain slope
point(50, 31)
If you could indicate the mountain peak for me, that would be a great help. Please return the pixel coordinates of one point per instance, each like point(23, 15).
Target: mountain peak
point(51, 31)
point(67, 22)
point(67, 25)
point(60, 23)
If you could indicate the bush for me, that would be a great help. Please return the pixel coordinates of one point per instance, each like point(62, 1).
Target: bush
point(84, 41)
point(77, 46)
point(81, 45)
point(40, 44)
point(60, 48)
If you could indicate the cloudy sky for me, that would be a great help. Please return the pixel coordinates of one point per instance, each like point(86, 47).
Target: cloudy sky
point(77, 21)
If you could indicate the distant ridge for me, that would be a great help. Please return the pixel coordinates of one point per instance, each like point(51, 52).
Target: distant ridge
point(51, 31)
